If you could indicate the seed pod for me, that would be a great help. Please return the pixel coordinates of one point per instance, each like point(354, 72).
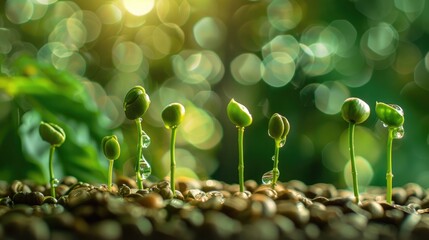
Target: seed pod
point(286, 127)
point(389, 114)
point(238, 114)
point(276, 126)
point(136, 103)
point(173, 115)
point(111, 147)
point(355, 110)
point(52, 133)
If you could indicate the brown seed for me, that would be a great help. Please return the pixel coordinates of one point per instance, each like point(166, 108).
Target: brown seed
point(151, 200)
point(296, 211)
point(374, 208)
point(35, 198)
point(69, 180)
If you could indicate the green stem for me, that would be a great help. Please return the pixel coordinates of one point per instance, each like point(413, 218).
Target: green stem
point(389, 174)
point(276, 164)
point(51, 171)
point(353, 162)
point(109, 181)
point(240, 158)
point(139, 178)
point(173, 160)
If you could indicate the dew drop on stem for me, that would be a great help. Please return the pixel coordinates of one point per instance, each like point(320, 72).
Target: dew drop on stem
point(273, 158)
point(398, 133)
point(55, 182)
point(145, 140)
point(267, 178)
point(145, 168)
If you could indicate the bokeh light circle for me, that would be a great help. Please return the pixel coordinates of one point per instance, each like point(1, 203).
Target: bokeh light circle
point(279, 69)
point(127, 56)
point(247, 69)
point(330, 96)
point(138, 7)
point(284, 14)
point(19, 12)
point(209, 32)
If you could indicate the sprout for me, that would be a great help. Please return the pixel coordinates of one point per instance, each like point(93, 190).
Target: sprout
point(136, 103)
point(111, 150)
point(240, 116)
point(354, 111)
point(55, 136)
point(173, 115)
point(392, 117)
point(278, 129)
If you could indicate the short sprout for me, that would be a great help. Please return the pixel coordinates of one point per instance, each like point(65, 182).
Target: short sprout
point(238, 114)
point(111, 147)
point(355, 110)
point(389, 114)
point(111, 150)
point(173, 115)
point(278, 127)
point(136, 103)
point(52, 133)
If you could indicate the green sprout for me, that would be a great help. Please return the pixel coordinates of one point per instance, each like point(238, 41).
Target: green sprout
point(392, 117)
point(241, 118)
point(173, 115)
point(111, 150)
point(278, 129)
point(354, 111)
point(55, 136)
point(136, 104)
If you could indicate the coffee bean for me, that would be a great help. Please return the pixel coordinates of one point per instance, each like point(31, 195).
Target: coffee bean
point(151, 200)
point(296, 211)
point(374, 208)
point(69, 181)
point(18, 186)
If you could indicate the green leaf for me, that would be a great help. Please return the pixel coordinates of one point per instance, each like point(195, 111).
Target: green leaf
point(43, 93)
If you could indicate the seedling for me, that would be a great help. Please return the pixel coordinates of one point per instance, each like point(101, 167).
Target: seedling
point(278, 129)
point(241, 118)
point(392, 117)
point(55, 136)
point(111, 150)
point(136, 104)
point(173, 115)
point(354, 111)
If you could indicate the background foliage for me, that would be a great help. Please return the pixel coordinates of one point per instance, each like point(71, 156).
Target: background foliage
point(72, 62)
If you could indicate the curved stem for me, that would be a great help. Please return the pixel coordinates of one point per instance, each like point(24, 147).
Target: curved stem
point(276, 164)
point(109, 181)
point(173, 160)
point(51, 171)
point(139, 178)
point(240, 158)
point(352, 160)
point(389, 175)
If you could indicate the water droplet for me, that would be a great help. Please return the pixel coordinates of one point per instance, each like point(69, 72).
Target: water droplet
point(398, 108)
point(282, 143)
point(145, 168)
point(398, 133)
point(384, 124)
point(145, 140)
point(273, 158)
point(55, 182)
point(267, 178)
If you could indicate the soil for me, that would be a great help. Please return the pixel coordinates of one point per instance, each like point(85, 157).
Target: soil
point(209, 210)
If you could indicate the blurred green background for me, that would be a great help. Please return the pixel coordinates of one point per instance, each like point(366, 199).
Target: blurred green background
point(72, 62)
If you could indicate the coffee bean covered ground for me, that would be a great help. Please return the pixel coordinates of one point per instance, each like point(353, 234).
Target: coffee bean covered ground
point(209, 210)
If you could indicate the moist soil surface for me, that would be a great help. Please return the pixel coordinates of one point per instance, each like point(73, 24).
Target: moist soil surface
point(209, 210)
